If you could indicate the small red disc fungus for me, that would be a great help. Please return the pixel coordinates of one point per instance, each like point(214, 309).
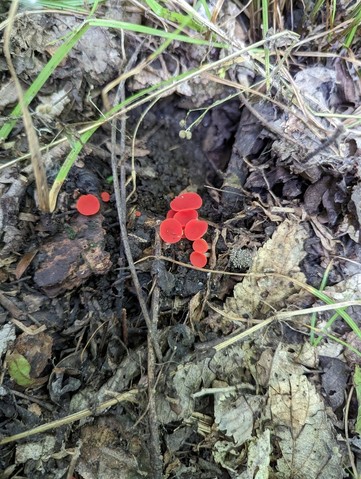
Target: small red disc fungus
point(185, 215)
point(200, 245)
point(198, 259)
point(138, 214)
point(186, 201)
point(105, 196)
point(88, 205)
point(171, 230)
point(195, 229)
point(170, 214)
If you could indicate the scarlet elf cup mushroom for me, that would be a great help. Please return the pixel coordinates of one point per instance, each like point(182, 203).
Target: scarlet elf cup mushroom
point(88, 205)
point(182, 221)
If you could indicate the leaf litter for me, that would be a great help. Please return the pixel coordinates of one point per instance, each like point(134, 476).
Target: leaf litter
point(269, 406)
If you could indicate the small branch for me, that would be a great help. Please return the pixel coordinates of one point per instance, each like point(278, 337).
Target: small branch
point(155, 448)
point(121, 198)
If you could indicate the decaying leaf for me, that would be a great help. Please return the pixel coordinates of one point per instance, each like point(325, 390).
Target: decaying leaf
point(255, 297)
point(24, 262)
point(7, 335)
point(234, 415)
point(39, 450)
point(52, 106)
point(31, 355)
point(258, 457)
point(304, 434)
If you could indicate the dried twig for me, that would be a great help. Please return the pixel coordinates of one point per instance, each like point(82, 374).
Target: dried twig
point(120, 196)
point(152, 414)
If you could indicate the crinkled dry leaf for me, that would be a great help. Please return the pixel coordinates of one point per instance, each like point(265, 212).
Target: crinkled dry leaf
point(255, 297)
point(228, 456)
point(346, 290)
point(258, 457)
point(188, 379)
point(234, 415)
point(36, 451)
point(7, 335)
point(305, 436)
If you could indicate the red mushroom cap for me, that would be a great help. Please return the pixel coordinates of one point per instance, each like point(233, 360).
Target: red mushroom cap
point(185, 215)
point(171, 230)
point(170, 214)
point(186, 201)
point(105, 196)
point(88, 205)
point(198, 259)
point(195, 229)
point(200, 245)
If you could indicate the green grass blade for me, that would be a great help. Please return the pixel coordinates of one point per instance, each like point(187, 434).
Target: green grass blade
point(153, 32)
point(174, 16)
point(316, 9)
point(340, 311)
point(343, 343)
point(64, 49)
point(74, 5)
point(43, 76)
point(204, 4)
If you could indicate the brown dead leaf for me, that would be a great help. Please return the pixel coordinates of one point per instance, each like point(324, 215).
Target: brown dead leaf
point(305, 437)
point(24, 263)
point(195, 308)
point(36, 349)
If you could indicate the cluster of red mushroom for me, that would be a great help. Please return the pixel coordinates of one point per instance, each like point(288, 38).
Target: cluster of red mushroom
point(89, 205)
point(182, 222)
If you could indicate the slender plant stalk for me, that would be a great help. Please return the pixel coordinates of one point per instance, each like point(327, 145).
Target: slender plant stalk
point(34, 147)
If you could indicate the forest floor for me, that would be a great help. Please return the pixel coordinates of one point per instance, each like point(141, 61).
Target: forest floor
point(120, 359)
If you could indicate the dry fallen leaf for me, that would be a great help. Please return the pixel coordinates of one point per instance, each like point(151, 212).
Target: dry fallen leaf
point(255, 297)
point(24, 263)
point(305, 436)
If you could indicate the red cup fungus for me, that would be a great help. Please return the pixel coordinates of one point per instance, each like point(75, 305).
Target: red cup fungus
point(186, 201)
point(170, 214)
point(195, 229)
point(200, 245)
point(105, 196)
point(182, 222)
point(198, 259)
point(171, 230)
point(88, 205)
point(185, 216)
